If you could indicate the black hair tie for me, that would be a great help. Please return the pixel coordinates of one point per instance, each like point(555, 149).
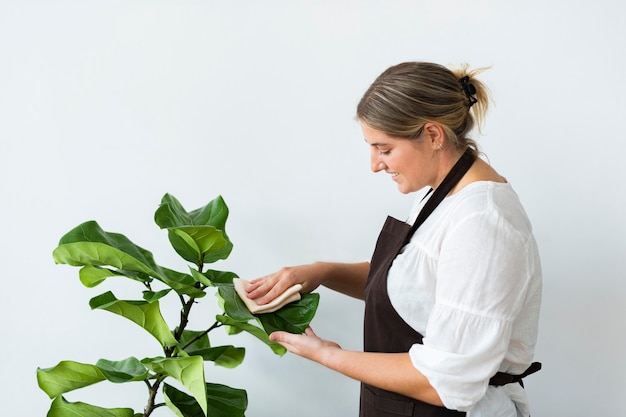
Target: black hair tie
point(469, 90)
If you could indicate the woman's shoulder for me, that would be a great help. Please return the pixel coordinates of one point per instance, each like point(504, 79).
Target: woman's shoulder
point(490, 199)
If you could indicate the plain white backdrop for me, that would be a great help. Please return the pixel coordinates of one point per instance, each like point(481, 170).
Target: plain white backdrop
point(107, 105)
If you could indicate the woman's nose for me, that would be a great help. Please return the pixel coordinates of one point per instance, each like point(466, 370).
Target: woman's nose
point(376, 164)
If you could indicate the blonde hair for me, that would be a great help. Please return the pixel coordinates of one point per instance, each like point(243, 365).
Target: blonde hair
point(406, 96)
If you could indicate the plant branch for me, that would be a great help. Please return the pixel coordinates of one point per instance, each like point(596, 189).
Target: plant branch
point(184, 318)
point(154, 388)
point(214, 326)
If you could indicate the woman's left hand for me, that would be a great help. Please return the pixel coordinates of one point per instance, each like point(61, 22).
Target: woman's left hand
point(307, 345)
point(389, 371)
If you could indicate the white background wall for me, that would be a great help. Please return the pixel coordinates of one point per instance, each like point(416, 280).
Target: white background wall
point(106, 106)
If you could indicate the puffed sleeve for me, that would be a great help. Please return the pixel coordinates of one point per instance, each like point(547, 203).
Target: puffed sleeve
point(482, 278)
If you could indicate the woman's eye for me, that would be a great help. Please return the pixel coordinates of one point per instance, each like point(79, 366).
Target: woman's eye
point(384, 152)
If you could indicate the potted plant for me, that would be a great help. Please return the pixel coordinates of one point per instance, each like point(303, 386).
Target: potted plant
point(200, 238)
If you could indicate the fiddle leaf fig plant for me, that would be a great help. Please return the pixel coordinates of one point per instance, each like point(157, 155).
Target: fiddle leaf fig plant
point(199, 237)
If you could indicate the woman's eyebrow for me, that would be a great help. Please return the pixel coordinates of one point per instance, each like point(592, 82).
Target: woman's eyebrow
point(375, 143)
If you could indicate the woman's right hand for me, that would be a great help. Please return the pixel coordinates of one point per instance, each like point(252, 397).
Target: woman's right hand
point(263, 290)
point(346, 278)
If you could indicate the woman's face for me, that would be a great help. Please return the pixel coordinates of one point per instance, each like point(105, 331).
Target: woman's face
point(412, 164)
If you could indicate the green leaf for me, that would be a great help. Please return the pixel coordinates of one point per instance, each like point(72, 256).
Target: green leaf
point(88, 244)
point(62, 408)
point(67, 376)
point(172, 214)
point(91, 276)
point(200, 244)
point(254, 331)
point(197, 343)
point(223, 401)
point(216, 254)
point(151, 296)
point(293, 318)
point(212, 278)
point(194, 340)
point(182, 404)
point(234, 307)
point(206, 238)
point(225, 356)
point(220, 277)
point(188, 371)
point(182, 283)
point(145, 314)
point(200, 277)
point(199, 236)
point(185, 247)
point(215, 213)
point(127, 370)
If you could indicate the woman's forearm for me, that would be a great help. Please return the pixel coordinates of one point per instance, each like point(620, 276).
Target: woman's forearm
point(389, 371)
point(346, 278)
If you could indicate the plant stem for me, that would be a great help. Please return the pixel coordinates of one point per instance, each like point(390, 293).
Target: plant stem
point(169, 351)
point(152, 395)
point(184, 320)
point(199, 336)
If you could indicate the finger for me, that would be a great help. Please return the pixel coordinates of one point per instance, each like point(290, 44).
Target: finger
point(259, 287)
point(269, 291)
point(284, 338)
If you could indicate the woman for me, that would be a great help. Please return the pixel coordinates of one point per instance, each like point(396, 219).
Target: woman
point(452, 296)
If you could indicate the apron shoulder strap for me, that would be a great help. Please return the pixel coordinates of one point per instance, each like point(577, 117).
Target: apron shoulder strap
point(454, 176)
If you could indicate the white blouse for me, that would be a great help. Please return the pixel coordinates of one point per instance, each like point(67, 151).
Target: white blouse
point(470, 282)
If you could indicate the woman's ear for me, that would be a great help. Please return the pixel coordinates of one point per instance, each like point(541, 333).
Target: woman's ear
point(435, 134)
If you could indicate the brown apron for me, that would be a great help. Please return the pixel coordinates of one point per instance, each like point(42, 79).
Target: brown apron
point(385, 330)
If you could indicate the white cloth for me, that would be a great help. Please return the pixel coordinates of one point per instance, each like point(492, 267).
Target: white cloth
point(470, 282)
point(290, 295)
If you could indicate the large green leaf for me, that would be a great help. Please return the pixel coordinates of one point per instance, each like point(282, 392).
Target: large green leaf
point(257, 332)
point(182, 283)
point(127, 370)
point(89, 246)
point(211, 277)
point(194, 340)
point(172, 214)
point(214, 213)
point(293, 318)
point(100, 254)
point(68, 376)
point(223, 401)
point(196, 343)
point(63, 408)
point(226, 356)
point(220, 277)
point(91, 276)
point(200, 244)
point(188, 371)
point(145, 314)
point(198, 236)
point(206, 238)
point(74, 250)
point(234, 307)
point(182, 404)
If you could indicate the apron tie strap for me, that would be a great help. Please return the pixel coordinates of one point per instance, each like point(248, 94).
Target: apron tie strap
point(502, 378)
